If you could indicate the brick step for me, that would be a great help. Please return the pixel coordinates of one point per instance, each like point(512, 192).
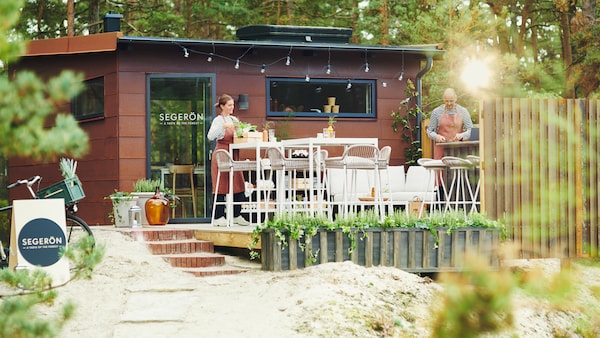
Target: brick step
point(180, 246)
point(195, 260)
point(183, 251)
point(161, 234)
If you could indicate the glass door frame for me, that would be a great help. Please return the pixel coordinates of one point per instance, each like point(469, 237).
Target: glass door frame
point(208, 116)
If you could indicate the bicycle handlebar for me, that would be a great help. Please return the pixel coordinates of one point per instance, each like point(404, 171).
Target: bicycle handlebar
point(30, 182)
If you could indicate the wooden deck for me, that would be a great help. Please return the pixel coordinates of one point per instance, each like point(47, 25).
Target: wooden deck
point(233, 237)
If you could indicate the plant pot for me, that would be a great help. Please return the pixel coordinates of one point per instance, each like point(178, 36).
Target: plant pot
point(121, 206)
point(141, 202)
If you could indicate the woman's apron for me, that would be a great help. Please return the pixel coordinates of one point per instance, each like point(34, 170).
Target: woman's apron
point(449, 126)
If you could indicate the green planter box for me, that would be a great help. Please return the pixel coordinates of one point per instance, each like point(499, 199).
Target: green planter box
point(412, 250)
point(69, 189)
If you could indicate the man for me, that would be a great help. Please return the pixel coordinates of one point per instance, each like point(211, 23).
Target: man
point(449, 122)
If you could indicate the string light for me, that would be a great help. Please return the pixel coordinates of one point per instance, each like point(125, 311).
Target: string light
point(210, 56)
point(401, 77)
point(328, 71)
point(288, 59)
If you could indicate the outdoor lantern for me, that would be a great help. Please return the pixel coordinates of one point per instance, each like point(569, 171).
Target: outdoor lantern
point(243, 102)
point(135, 216)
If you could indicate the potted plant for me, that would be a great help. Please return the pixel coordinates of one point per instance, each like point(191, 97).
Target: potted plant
point(329, 131)
point(144, 189)
point(121, 203)
point(432, 244)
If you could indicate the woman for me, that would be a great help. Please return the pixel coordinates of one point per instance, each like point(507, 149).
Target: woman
point(222, 130)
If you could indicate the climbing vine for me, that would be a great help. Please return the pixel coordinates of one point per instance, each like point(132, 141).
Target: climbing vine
point(406, 118)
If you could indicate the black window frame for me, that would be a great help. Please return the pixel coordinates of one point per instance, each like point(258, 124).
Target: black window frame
point(94, 90)
point(313, 85)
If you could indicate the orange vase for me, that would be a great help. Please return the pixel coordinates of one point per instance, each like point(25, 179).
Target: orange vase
point(157, 209)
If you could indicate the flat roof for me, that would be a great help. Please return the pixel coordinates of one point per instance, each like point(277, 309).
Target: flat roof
point(427, 49)
point(103, 42)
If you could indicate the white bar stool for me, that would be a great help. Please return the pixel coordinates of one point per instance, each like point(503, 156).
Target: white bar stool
point(460, 179)
point(475, 160)
point(290, 166)
point(436, 169)
point(384, 162)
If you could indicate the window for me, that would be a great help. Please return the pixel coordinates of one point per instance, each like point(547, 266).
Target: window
point(90, 102)
point(317, 97)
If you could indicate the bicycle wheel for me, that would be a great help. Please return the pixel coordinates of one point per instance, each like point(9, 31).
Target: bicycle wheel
point(77, 228)
point(5, 218)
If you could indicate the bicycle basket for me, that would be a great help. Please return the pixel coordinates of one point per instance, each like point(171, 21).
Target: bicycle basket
point(69, 189)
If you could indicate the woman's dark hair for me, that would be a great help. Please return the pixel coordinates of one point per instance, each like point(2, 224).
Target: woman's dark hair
point(223, 99)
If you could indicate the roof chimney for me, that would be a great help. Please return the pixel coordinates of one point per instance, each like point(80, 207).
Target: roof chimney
point(112, 22)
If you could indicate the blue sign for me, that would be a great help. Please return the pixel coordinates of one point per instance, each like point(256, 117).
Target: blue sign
point(40, 242)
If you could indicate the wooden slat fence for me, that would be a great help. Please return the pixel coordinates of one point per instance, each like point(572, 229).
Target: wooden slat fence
point(540, 173)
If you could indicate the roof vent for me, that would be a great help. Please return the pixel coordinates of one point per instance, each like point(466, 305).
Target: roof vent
point(305, 34)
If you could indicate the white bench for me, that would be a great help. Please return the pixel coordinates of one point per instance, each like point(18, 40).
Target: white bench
point(400, 189)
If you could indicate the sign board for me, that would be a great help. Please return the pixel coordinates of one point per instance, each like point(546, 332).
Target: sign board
point(38, 233)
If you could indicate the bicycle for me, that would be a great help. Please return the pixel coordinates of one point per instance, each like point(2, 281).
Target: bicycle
point(75, 226)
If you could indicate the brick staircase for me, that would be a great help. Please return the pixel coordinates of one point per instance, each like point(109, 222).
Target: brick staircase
point(183, 251)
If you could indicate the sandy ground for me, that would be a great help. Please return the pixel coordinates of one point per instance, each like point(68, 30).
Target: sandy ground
point(136, 294)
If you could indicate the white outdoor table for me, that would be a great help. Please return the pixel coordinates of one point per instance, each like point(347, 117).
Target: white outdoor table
point(314, 144)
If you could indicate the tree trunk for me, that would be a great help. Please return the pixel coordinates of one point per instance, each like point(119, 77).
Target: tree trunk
point(565, 29)
point(385, 31)
point(94, 17)
point(70, 17)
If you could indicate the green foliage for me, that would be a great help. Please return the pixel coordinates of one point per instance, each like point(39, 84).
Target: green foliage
point(146, 185)
point(474, 302)
point(28, 125)
point(302, 227)
point(479, 301)
point(68, 168)
point(407, 119)
point(242, 127)
point(31, 290)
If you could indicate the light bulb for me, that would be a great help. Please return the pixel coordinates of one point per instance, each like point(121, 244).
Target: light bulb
point(349, 85)
point(366, 68)
point(307, 78)
point(185, 53)
point(209, 59)
point(263, 69)
point(237, 64)
point(328, 71)
point(401, 76)
point(287, 61)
